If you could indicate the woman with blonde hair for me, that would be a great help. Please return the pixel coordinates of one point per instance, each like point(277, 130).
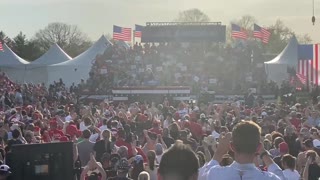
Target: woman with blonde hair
point(151, 167)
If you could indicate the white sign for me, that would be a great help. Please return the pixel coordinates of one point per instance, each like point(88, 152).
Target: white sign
point(141, 70)
point(212, 81)
point(103, 71)
point(159, 68)
point(177, 75)
point(196, 78)
point(149, 66)
point(133, 66)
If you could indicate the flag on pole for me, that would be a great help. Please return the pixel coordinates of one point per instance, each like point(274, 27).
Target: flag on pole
point(302, 78)
point(121, 33)
point(237, 32)
point(308, 62)
point(1, 48)
point(261, 33)
point(138, 31)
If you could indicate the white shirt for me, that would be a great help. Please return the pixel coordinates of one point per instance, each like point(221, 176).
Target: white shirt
point(240, 171)
point(291, 175)
point(166, 123)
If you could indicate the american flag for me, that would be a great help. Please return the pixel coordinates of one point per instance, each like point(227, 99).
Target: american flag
point(302, 78)
point(1, 48)
point(138, 31)
point(238, 32)
point(308, 63)
point(121, 33)
point(261, 33)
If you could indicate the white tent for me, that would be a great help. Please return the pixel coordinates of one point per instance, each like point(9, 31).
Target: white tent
point(12, 64)
point(276, 69)
point(54, 55)
point(78, 68)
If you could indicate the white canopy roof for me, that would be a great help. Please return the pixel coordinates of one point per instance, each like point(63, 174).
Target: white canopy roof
point(78, 68)
point(276, 69)
point(54, 55)
point(86, 58)
point(289, 55)
point(9, 58)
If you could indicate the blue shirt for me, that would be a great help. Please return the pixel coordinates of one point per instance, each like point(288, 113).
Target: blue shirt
point(238, 171)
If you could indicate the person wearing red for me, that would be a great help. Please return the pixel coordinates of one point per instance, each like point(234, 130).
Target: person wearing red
point(121, 135)
point(295, 121)
point(156, 129)
point(55, 134)
point(72, 130)
point(196, 129)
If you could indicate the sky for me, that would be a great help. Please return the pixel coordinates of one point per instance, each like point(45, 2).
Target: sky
point(96, 17)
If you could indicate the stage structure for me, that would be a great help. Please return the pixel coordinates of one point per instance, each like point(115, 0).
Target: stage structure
point(184, 32)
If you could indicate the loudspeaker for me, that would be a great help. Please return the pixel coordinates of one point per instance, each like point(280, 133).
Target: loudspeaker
point(50, 161)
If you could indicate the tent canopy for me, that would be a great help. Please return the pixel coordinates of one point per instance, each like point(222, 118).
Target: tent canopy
point(276, 69)
point(289, 55)
point(9, 58)
point(54, 55)
point(78, 68)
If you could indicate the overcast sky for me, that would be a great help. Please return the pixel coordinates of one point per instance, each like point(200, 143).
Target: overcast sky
point(96, 17)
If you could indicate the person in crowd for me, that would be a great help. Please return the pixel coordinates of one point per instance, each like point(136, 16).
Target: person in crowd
point(246, 144)
point(122, 170)
point(151, 166)
point(301, 159)
point(85, 148)
point(5, 172)
point(179, 163)
point(93, 170)
point(289, 166)
point(144, 176)
point(137, 167)
point(312, 169)
point(104, 145)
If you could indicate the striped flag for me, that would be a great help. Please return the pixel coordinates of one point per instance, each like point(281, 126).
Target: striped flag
point(302, 78)
point(1, 48)
point(261, 33)
point(138, 31)
point(308, 62)
point(237, 32)
point(121, 33)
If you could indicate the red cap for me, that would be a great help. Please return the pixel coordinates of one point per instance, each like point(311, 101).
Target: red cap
point(73, 131)
point(36, 129)
point(283, 147)
point(64, 139)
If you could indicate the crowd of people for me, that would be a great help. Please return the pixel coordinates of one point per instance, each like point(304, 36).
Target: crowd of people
point(168, 64)
point(135, 140)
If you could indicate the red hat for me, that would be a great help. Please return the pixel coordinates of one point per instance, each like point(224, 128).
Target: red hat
point(283, 147)
point(53, 123)
point(36, 129)
point(72, 130)
point(64, 139)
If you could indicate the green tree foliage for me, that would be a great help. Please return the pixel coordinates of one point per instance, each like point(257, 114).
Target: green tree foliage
point(192, 15)
point(68, 37)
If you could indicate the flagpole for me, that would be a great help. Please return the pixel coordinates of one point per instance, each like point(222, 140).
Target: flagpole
point(134, 38)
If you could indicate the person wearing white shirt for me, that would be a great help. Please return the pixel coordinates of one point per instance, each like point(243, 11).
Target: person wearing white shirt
point(289, 163)
point(169, 120)
point(245, 143)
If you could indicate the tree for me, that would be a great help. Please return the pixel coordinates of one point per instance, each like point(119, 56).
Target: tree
point(304, 39)
point(246, 22)
point(192, 15)
point(68, 37)
point(5, 39)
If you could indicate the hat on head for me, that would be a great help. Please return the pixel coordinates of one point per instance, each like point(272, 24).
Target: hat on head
point(5, 169)
point(159, 149)
point(138, 158)
point(123, 165)
point(316, 143)
point(283, 147)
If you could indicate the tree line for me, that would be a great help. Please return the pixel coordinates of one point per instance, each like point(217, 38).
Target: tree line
point(73, 41)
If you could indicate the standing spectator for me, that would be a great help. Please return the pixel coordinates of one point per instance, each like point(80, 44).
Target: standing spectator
point(138, 167)
point(104, 145)
point(245, 145)
point(151, 166)
point(85, 147)
point(122, 170)
point(289, 166)
point(312, 168)
point(179, 163)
